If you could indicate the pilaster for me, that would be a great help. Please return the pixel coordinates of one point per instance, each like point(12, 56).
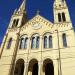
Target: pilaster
point(26, 69)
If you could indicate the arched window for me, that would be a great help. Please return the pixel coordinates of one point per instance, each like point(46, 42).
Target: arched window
point(22, 43)
point(26, 42)
point(63, 17)
point(15, 22)
point(37, 42)
point(59, 17)
point(50, 41)
point(45, 41)
point(9, 43)
point(33, 42)
point(64, 40)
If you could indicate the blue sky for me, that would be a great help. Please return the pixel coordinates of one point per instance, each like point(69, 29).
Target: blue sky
point(44, 6)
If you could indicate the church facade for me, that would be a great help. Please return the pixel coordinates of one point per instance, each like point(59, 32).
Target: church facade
point(38, 46)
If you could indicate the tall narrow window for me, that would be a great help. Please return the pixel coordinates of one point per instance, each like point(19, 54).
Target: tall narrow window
point(50, 41)
point(63, 17)
point(17, 22)
point(64, 40)
point(22, 43)
point(37, 42)
point(14, 22)
point(26, 42)
point(59, 17)
point(9, 43)
point(45, 42)
point(33, 42)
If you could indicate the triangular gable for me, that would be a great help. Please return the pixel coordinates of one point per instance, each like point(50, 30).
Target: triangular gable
point(38, 19)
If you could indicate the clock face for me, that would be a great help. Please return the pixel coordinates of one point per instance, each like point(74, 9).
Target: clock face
point(37, 26)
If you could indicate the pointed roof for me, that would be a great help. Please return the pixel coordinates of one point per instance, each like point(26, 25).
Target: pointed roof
point(22, 8)
point(60, 2)
point(36, 23)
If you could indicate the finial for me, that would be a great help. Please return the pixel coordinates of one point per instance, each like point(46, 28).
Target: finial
point(38, 12)
point(25, 4)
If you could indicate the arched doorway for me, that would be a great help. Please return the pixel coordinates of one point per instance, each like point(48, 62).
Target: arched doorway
point(33, 67)
point(19, 67)
point(48, 67)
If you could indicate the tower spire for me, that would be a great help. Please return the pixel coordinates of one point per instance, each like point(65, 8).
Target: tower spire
point(22, 8)
point(61, 13)
point(60, 2)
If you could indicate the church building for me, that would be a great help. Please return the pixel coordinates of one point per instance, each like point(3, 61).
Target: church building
point(38, 46)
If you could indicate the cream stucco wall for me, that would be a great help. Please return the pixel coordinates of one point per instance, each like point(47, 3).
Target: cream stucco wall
point(39, 25)
point(67, 54)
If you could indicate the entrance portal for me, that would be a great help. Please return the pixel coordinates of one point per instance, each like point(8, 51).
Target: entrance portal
point(48, 67)
point(19, 67)
point(33, 67)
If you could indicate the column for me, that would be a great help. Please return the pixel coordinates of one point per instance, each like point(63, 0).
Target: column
point(3, 44)
point(48, 41)
point(56, 67)
point(40, 68)
point(26, 69)
point(41, 43)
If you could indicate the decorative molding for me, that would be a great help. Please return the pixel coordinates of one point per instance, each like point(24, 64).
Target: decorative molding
point(37, 26)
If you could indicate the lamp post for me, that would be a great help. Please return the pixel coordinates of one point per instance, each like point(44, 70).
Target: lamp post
point(59, 58)
point(3, 45)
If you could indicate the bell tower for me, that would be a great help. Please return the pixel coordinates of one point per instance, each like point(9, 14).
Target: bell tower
point(19, 16)
point(61, 13)
point(11, 40)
